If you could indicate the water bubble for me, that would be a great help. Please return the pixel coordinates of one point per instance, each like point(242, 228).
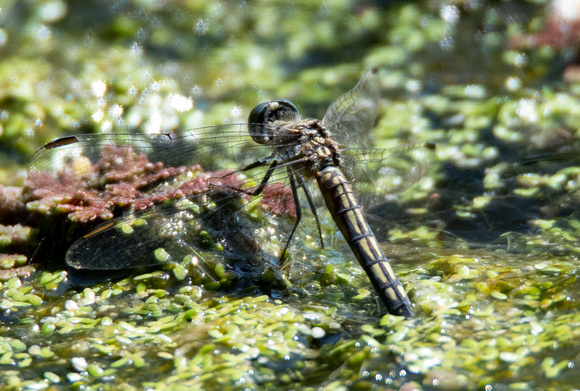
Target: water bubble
point(201, 26)
point(447, 44)
point(89, 40)
point(142, 35)
point(235, 112)
point(449, 13)
point(136, 50)
point(155, 22)
point(43, 33)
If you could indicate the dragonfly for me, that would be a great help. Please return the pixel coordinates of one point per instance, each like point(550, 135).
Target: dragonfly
point(239, 168)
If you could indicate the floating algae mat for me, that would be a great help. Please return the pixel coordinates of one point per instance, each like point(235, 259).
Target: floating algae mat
point(485, 243)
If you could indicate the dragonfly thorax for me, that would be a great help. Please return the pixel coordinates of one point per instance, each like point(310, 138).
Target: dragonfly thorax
point(317, 149)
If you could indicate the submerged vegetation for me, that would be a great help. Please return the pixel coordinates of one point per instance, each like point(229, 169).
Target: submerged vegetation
point(486, 243)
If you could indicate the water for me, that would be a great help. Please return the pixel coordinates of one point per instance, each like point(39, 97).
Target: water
point(486, 244)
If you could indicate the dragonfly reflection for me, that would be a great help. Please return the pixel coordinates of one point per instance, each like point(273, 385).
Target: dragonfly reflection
point(241, 168)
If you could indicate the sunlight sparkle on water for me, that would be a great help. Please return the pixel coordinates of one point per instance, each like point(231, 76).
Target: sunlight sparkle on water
point(136, 50)
point(106, 126)
point(526, 110)
point(116, 111)
point(235, 112)
point(154, 124)
point(181, 103)
point(99, 87)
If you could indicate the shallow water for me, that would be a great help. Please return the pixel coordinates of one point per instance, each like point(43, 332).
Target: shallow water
point(486, 243)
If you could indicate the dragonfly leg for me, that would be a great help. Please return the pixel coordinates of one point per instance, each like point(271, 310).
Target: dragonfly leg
point(312, 208)
point(298, 212)
point(259, 163)
point(274, 163)
point(263, 184)
point(258, 190)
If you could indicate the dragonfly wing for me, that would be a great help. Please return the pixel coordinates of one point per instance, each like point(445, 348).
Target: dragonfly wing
point(137, 240)
point(89, 162)
point(167, 233)
point(156, 168)
point(377, 173)
point(351, 117)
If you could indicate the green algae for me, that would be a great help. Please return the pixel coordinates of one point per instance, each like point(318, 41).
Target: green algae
point(492, 313)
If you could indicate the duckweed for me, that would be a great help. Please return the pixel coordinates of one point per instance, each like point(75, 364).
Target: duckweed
point(487, 247)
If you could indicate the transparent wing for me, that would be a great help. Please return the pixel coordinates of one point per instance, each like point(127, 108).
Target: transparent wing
point(377, 173)
point(174, 232)
point(351, 117)
point(145, 170)
point(97, 163)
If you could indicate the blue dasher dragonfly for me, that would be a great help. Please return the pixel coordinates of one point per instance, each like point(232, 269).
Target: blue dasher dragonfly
point(240, 168)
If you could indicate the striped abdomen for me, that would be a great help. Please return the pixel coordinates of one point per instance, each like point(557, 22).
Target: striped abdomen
point(350, 219)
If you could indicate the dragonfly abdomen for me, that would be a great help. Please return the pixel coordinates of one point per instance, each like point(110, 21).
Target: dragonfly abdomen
point(348, 215)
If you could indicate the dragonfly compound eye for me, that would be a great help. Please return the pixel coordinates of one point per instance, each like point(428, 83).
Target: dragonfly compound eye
point(267, 112)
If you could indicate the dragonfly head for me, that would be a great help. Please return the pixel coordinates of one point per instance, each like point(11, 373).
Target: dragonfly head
point(267, 112)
